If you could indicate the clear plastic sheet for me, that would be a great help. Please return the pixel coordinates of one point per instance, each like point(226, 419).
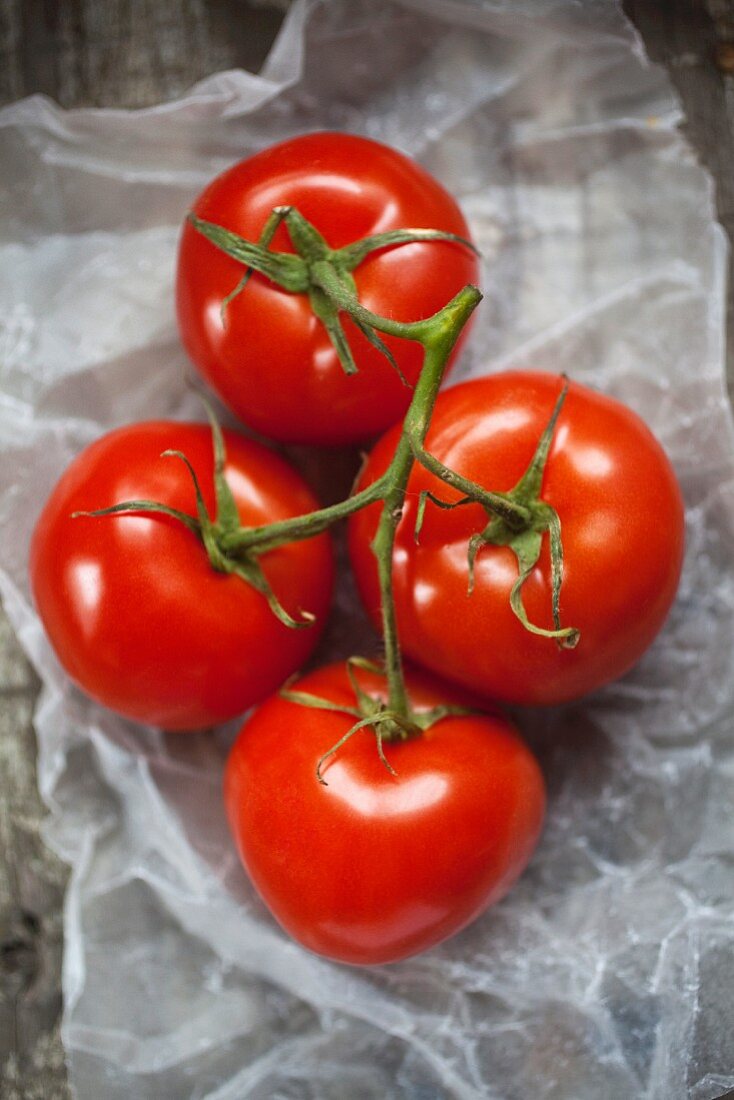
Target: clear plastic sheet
point(609, 971)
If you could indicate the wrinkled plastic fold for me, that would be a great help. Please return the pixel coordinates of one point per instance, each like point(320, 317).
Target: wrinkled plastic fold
point(608, 971)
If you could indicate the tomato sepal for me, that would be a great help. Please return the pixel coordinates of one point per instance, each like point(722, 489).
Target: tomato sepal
point(242, 563)
point(131, 507)
point(352, 255)
point(282, 268)
point(317, 270)
point(518, 520)
point(390, 725)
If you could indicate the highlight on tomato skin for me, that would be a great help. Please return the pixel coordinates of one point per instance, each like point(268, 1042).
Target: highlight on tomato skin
point(622, 522)
point(372, 867)
point(137, 615)
point(268, 357)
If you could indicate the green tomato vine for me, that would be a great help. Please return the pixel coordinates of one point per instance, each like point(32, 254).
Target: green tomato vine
point(518, 519)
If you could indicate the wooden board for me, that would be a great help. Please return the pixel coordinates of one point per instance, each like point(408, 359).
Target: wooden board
point(132, 53)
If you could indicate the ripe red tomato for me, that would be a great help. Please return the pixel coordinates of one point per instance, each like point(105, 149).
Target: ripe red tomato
point(622, 523)
point(135, 612)
point(373, 867)
point(272, 361)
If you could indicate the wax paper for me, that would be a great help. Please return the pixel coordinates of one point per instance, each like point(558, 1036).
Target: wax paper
point(608, 972)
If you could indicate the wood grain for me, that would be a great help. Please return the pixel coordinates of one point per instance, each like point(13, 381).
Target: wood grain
point(695, 42)
point(32, 884)
point(126, 53)
point(131, 53)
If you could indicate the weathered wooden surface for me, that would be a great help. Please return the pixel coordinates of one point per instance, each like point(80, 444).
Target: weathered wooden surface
point(31, 896)
point(695, 41)
point(132, 53)
point(126, 53)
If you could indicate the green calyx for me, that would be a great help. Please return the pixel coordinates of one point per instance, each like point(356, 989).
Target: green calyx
point(215, 532)
point(521, 528)
point(325, 274)
point(390, 725)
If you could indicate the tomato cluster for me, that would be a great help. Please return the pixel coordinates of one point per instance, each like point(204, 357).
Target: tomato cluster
point(521, 537)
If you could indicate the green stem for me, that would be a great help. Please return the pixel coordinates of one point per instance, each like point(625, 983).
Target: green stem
point(382, 547)
point(301, 527)
point(517, 519)
point(438, 336)
point(515, 515)
point(324, 276)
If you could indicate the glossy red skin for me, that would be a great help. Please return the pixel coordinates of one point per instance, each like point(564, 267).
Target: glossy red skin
point(621, 513)
point(272, 362)
point(373, 867)
point(136, 614)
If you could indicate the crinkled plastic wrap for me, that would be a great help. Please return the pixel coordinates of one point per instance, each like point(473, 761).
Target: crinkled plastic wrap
point(608, 972)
